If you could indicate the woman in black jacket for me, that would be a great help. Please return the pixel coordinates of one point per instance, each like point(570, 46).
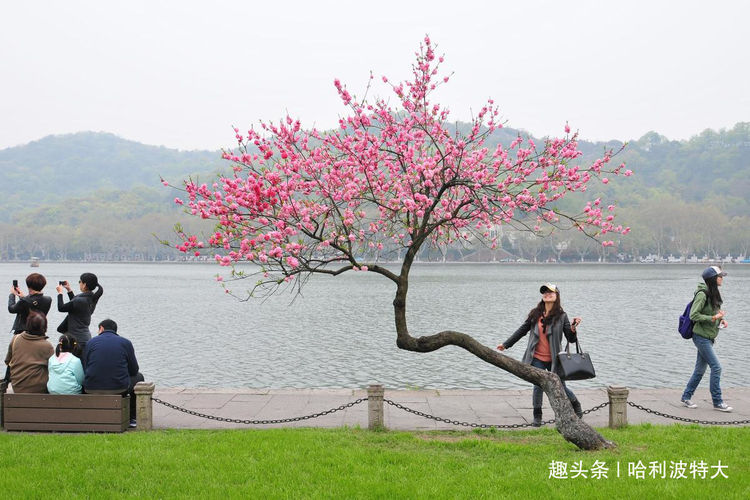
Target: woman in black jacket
point(34, 301)
point(547, 323)
point(80, 308)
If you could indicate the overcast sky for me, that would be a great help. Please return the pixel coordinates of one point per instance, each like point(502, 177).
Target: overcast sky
point(181, 73)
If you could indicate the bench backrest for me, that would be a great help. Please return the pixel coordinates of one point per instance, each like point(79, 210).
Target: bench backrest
point(65, 412)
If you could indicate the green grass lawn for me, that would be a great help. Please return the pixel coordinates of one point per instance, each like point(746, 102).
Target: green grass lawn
point(354, 463)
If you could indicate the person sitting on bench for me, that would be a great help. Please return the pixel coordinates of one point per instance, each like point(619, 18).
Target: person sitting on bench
point(27, 356)
point(110, 366)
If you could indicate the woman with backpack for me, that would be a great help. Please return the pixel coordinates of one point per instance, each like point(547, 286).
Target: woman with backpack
point(708, 317)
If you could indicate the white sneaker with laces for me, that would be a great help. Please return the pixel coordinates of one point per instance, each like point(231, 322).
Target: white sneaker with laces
point(723, 407)
point(689, 403)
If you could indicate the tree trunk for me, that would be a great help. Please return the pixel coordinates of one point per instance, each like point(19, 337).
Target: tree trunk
point(568, 424)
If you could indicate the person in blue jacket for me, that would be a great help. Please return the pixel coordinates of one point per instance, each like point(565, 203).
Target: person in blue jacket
point(110, 365)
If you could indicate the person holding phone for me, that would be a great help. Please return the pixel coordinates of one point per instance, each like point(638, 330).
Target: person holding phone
point(79, 308)
point(708, 317)
point(34, 301)
point(546, 324)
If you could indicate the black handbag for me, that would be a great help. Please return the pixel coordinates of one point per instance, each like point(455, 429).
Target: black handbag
point(574, 365)
point(63, 327)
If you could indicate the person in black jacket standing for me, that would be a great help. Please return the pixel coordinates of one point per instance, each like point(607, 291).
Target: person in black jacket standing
point(80, 308)
point(546, 324)
point(110, 366)
point(34, 301)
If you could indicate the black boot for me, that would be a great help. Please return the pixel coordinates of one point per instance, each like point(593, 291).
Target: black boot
point(577, 408)
point(537, 422)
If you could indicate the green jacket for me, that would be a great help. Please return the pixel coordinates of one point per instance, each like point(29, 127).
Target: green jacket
point(701, 314)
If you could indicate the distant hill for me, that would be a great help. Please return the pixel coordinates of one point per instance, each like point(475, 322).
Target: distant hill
point(95, 194)
point(711, 167)
point(58, 167)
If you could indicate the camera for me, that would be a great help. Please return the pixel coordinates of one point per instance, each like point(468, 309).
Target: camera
point(61, 283)
point(15, 283)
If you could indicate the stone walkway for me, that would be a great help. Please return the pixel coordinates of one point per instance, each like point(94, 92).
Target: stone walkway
point(479, 406)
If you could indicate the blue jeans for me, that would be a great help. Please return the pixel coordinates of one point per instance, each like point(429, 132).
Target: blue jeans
point(706, 357)
point(536, 395)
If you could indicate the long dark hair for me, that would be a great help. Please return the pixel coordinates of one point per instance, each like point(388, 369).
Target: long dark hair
point(68, 343)
point(540, 308)
point(712, 293)
point(92, 282)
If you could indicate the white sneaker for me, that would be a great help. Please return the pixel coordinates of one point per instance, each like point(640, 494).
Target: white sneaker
point(723, 407)
point(689, 403)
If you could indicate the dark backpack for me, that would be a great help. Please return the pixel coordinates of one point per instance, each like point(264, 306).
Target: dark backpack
point(685, 325)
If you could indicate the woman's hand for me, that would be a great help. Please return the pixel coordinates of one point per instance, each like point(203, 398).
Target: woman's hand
point(67, 286)
point(501, 347)
point(576, 321)
point(59, 289)
point(16, 291)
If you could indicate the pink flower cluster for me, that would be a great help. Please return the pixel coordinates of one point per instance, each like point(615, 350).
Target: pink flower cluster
point(300, 199)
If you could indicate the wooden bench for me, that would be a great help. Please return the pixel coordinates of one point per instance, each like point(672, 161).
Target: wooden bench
point(75, 412)
point(66, 412)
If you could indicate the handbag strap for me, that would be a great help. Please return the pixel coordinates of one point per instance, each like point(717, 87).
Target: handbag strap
point(12, 350)
point(579, 350)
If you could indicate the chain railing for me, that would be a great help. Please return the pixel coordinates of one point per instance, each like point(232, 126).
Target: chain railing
point(356, 402)
point(259, 422)
point(436, 418)
point(689, 420)
point(480, 426)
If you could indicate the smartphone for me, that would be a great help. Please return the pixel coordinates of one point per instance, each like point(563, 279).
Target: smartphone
point(15, 283)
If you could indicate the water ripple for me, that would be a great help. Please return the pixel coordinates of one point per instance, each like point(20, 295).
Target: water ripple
point(341, 332)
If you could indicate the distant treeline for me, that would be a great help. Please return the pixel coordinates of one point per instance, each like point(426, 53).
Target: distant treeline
point(93, 196)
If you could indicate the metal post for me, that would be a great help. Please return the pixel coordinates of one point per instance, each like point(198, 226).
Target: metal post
point(143, 406)
point(618, 406)
point(375, 407)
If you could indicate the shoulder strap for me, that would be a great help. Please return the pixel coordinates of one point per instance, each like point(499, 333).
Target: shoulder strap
point(12, 348)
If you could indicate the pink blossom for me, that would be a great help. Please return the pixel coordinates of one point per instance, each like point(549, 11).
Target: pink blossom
point(393, 173)
point(292, 261)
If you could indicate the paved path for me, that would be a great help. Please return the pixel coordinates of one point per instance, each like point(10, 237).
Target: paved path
point(480, 406)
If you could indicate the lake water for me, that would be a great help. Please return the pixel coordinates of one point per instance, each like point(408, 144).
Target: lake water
point(340, 333)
